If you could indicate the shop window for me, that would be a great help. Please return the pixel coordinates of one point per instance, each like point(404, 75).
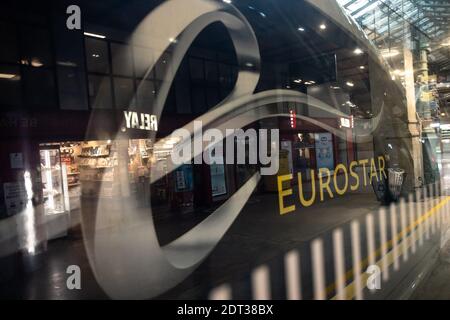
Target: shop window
point(40, 88)
point(123, 92)
point(143, 59)
point(72, 89)
point(97, 56)
point(9, 52)
point(100, 93)
point(122, 61)
point(36, 47)
point(10, 86)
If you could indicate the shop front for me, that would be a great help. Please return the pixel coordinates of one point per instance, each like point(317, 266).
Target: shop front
point(310, 148)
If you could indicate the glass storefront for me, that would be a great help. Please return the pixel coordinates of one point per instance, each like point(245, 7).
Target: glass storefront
point(174, 149)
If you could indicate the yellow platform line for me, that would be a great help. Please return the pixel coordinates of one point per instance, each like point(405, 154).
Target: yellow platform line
point(350, 292)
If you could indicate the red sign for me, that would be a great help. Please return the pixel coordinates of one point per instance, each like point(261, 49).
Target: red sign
point(293, 119)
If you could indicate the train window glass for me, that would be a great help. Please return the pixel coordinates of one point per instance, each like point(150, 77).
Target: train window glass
point(146, 93)
point(183, 97)
point(72, 89)
point(97, 56)
point(9, 52)
point(162, 66)
point(40, 90)
point(36, 46)
point(197, 69)
point(198, 99)
point(100, 93)
point(123, 92)
point(10, 86)
point(143, 59)
point(122, 62)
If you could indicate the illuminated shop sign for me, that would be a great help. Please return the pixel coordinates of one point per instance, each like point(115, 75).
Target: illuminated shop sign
point(346, 123)
point(141, 121)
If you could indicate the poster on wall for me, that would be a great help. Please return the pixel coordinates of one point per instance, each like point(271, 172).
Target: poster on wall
point(183, 179)
point(218, 181)
point(15, 197)
point(324, 151)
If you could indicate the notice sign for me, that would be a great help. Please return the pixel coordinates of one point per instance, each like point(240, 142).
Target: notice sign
point(15, 197)
point(324, 151)
point(16, 160)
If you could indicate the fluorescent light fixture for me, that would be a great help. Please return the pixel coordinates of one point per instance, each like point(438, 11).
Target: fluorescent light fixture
point(358, 51)
point(390, 53)
point(227, 1)
point(445, 126)
point(323, 26)
point(301, 29)
point(6, 76)
point(94, 35)
point(335, 88)
point(350, 84)
point(262, 14)
point(398, 72)
point(435, 125)
point(298, 80)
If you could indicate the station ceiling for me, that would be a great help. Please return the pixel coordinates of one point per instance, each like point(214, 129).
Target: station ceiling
point(389, 23)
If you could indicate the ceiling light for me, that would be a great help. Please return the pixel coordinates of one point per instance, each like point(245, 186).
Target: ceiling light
point(358, 51)
point(301, 29)
point(227, 1)
point(6, 76)
point(362, 67)
point(335, 88)
point(323, 26)
point(298, 80)
point(350, 84)
point(94, 35)
point(36, 63)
